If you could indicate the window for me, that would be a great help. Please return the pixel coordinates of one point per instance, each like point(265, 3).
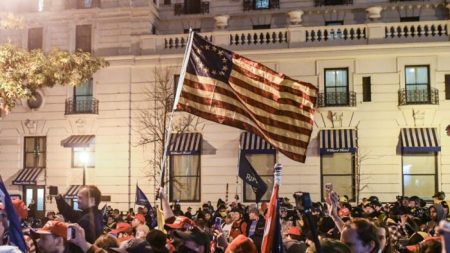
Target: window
point(192, 6)
point(261, 4)
point(334, 23)
point(35, 152)
point(35, 38)
point(83, 38)
point(87, 4)
point(83, 97)
point(417, 84)
point(367, 89)
point(185, 178)
point(263, 164)
point(447, 87)
point(410, 19)
point(338, 169)
point(335, 2)
point(41, 5)
point(419, 174)
point(35, 193)
point(167, 2)
point(336, 87)
point(82, 156)
point(258, 27)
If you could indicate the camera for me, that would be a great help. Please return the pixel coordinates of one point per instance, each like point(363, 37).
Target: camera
point(303, 201)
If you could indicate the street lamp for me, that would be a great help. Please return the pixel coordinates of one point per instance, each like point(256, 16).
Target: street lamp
point(84, 158)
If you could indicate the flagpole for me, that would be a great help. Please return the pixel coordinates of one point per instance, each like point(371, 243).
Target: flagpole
point(187, 52)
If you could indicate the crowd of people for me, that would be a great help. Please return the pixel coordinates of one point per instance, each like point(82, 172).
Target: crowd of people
point(405, 225)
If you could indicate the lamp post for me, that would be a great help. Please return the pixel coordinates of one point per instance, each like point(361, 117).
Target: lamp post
point(84, 158)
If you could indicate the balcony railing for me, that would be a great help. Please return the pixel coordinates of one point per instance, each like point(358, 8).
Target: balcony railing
point(307, 36)
point(332, 2)
point(415, 97)
point(181, 9)
point(328, 99)
point(82, 106)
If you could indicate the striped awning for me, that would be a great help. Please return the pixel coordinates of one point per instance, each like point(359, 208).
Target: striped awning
point(72, 192)
point(185, 144)
point(419, 140)
point(78, 141)
point(338, 141)
point(27, 176)
point(253, 144)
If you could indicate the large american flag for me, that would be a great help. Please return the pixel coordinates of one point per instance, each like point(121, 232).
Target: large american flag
point(230, 89)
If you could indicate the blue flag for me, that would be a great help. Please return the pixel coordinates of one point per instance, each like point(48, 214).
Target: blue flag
point(251, 177)
point(141, 199)
point(14, 230)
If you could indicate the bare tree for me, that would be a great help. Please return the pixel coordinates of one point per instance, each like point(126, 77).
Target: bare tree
point(153, 121)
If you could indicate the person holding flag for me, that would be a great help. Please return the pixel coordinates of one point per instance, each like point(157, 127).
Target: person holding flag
point(141, 199)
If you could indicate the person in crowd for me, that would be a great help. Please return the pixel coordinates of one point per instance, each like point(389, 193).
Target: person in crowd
point(89, 218)
point(361, 236)
point(142, 232)
point(239, 226)
point(107, 242)
point(110, 224)
point(188, 213)
point(117, 215)
point(226, 227)
point(384, 237)
point(32, 208)
point(330, 246)
point(255, 228)
point(293, 242)
point(123, 232)
point(438, 197)
point(53, 237)
point(49, 216)
point(241, 244)
point(157, 240)
point(436, 214)
point(138, 219)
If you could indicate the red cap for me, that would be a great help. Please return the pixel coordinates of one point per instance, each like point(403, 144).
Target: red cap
point(21, 209)
point(294, 231)
point(243, 244)
point(122, 227)
point(57, 228)
point(179, 222)
point(140, 217)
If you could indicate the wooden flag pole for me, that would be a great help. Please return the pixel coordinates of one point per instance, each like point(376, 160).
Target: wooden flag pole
point(187, 52)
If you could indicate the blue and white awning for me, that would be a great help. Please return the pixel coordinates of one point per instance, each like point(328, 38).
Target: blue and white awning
point(72, 192)
point(27, 176)
point(253, 144)
point(185, 144)
point(338, 141)
point(417, 140)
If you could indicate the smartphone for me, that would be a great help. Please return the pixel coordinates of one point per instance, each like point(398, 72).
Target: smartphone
point(70, 233)
point(218, 223)
point(328, 187)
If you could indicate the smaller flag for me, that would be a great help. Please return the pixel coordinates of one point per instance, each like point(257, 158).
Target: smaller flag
point(272, 231)
point(251, 177)
point(141, 199)
point(14, 230)
point(161, 220)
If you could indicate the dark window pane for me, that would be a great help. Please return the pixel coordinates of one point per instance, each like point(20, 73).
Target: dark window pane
point(410, 19)
point(262, 4)
point(192, 6)
point(83, 38)
point(34, 152)
point(258, 27)
point(367, 89)
point(447, 87)
point(35, 38)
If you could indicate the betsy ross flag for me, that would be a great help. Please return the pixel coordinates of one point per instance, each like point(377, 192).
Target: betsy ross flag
point(272, 242)
point(251, 177)
point(141, 199)
point(229, 89)
point(14, 230)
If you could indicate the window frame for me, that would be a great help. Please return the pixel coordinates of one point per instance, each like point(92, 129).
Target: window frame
point(334, 87)
point(89, 97)
point(428, 84)
point(80, 39)
point(436, 180)
point(199, 176)
point(255, 5)
point(244, 185)
point(76, 166)
point(34, 152)
point(353, 176)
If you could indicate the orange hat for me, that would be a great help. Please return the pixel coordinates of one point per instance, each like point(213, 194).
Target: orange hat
point(56, 228)
point(179, 222)
point(140, 217)
point(294, 231)
point(243, 244)
point(122, 227)
point(413, 248)
point(21, 209)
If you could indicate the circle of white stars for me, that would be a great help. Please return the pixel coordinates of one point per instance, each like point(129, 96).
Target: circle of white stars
point(219, 53)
